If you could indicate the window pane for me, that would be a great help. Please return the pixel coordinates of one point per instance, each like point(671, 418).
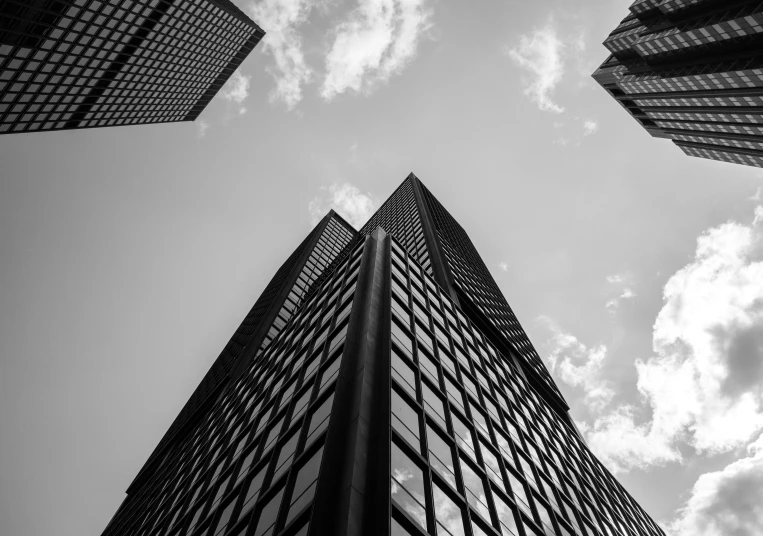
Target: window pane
point(433, 405)
point(449, 516)
point(320, 419)
point(407, 485)
point(405, 420)
point(268, 515)
point(506, 517)
point(304, 487)
point(254, 489)
point(403, 373)
point(396, 529)
point(475, 489)
point(441, 457)
point(223, 522)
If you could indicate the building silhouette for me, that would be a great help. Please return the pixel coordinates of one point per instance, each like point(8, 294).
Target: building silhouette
point(68, 64)
point(692, 71)
point(380, 385)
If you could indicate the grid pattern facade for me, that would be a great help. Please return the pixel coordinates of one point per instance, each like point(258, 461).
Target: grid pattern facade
point(333, 239)
point(89, 63)
point(474, 449)
point(704, 60)
point(400, 217)
point(331, 233)
point(377, 361)
point(251, 464)
point(472, 276)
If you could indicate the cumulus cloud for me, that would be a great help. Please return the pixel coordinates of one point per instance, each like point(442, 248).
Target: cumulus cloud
point(703, 386)
point(578, 365)
point(201, 128)
point(281, 20)
point(353, 205)
point(728, 502)
point(590, 127)
point(541, 54)
point(376, 40)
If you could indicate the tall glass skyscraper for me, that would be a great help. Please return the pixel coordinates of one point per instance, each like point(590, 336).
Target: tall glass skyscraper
point(68, 64)
point(381, 385)
point(692, 71)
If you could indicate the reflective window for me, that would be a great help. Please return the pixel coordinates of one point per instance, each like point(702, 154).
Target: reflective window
point(407, 486)
point(450, 518)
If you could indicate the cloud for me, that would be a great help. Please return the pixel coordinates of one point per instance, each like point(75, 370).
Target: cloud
point(728, 502)
point(281, 19)
point(590, 127)
point(236, 89)
point(626, 292)
point(578, 365)
point(703, 387)
point(347, 200)
point(541, 53)
point(201, 128)
point(375, 41)
point(504, 266)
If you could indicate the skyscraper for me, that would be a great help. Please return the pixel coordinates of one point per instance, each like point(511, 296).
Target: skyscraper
point(68, 64)
point(692, 71)
point(381, 385)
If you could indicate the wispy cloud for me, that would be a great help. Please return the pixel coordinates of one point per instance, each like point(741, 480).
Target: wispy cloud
point(623, 285)
point(201, 128)
point(504, 266)
point(375, 41)
point(590, 127)
point(353, 205)
point(578, 365)
point(540, 53)
point(281, 20)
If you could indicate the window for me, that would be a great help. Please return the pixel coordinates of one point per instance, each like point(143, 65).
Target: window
point(450, 520)
point(253, 490)
point(407, 486)
point(268, 516)
point(320, 418)
point(222, 523)
point(441, 456)
point(405, 420)
point(403, 373)
point(433, 405)
point(304, 487)
point(285, 455)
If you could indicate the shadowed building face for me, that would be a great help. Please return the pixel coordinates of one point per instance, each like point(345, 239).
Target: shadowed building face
point(68, 64)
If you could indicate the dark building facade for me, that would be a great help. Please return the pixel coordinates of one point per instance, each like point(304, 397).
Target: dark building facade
point(692, 71)
point(381, 385)
point(68, 64)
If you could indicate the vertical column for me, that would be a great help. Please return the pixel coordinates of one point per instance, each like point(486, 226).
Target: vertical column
point(439, 263)
point(355, 480)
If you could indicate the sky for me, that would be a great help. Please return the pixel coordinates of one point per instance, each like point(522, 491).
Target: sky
point(131, 254)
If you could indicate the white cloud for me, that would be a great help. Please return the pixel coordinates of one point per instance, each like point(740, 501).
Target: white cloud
point(624, 282)
point(504, 266)
point(728, 502)
point(375, 41)
point(236, 89)
point(590, 127)
point(281, 19)
point(541, 53)
point(201, 128)
point(578, 365)
point(347, 200)
point(704, 385)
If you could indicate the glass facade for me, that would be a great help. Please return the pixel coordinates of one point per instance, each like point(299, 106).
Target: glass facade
point(703, 59)
point(379, 405)
point(88, 63)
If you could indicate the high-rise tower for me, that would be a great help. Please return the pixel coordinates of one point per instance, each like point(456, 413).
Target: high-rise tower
point(692, 71)
point(68, 64)
point(381, 385)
